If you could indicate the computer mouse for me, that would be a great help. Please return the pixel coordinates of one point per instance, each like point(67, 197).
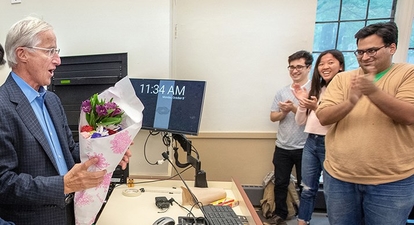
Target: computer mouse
point(165, 220)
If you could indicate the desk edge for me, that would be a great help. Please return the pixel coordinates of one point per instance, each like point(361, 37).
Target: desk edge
point(246, 199)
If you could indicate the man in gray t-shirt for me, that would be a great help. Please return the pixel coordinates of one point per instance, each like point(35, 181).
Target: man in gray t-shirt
point(290, 136)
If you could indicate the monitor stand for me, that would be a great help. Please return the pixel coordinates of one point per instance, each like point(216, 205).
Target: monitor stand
point(200, 175)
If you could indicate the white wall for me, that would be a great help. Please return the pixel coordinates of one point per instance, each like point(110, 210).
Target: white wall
point(141, 28)
point(241, 48)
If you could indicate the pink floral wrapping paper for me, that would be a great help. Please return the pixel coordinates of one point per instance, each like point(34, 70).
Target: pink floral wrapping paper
point(109, 149)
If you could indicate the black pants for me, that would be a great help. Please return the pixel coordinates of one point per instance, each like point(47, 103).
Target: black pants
point(283, 161)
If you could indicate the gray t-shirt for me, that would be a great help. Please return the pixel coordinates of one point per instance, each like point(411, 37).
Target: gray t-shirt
point(290, 136)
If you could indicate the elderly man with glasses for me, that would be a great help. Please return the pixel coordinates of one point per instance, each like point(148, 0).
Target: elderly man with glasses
point(40, 165)
point(369, 165)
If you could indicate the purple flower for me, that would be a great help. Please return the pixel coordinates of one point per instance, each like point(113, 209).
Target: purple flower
point(101, 110)
point(101, 113)
point(110, 105)
point(116, 112)
point(86, 106)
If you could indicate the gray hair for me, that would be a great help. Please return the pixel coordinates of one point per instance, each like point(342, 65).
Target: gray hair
point(24, 33)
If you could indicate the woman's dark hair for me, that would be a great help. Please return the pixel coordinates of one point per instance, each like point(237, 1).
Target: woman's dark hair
point(317, 81)
point(2, 61)
point(388, 31)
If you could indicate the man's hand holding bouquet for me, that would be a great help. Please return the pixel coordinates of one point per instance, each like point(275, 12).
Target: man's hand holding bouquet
point(108, 124)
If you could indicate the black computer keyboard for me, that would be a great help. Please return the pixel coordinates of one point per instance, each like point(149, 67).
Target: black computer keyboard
point(221, 215)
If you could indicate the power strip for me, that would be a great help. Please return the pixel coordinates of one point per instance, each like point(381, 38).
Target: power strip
point(188, 220)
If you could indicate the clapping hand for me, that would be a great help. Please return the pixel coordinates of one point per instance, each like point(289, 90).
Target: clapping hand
point(286, 106)
point(311, 103)
point(361, 84)
point(365, 83)
point(299, 92)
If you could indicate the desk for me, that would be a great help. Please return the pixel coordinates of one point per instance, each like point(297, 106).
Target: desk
point(142, 209)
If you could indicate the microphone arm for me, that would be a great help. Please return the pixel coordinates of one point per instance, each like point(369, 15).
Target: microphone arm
point(177, 161)
point(200, 177)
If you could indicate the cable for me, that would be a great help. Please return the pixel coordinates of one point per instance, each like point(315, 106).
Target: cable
point(166, 141)
point(150, 133)
point(193, 149)
point(181, 206)
point(162, 179)
point(200, 205)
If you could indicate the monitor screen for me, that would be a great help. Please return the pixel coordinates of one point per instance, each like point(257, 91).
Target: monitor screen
point(173, 106)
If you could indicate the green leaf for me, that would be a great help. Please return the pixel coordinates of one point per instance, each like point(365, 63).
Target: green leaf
point(110, 121)
point(93, 119)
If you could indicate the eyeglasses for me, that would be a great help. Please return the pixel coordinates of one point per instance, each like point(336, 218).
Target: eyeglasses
point(298, 67)
point(51, 51)
point(370, 52)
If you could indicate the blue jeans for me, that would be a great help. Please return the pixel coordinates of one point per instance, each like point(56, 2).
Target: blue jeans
point(283, 161)
point(357, 204)
point(312, 165)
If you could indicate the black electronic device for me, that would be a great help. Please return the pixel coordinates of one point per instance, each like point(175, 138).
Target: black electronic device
point(162, 202)
point(120, 176)
point(188, 220)
point(173, 106)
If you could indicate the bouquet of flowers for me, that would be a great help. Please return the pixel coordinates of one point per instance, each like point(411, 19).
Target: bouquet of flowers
point(103, 117)
point(108, 124)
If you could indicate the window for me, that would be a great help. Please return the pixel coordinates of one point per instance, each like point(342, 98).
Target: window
point(337, 21)
point(410, 57)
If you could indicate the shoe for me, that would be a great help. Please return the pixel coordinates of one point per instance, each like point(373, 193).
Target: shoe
point(276, 220)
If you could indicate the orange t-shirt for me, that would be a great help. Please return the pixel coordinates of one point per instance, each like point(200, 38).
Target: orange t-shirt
point(367, 146)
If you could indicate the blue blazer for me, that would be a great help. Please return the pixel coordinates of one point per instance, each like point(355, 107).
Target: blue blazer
point(31, 189)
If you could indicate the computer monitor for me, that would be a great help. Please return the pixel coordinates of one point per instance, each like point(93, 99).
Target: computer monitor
point(173, 106)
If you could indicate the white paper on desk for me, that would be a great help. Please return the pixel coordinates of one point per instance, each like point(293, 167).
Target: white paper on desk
point(109, 149)
point(203, 195)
